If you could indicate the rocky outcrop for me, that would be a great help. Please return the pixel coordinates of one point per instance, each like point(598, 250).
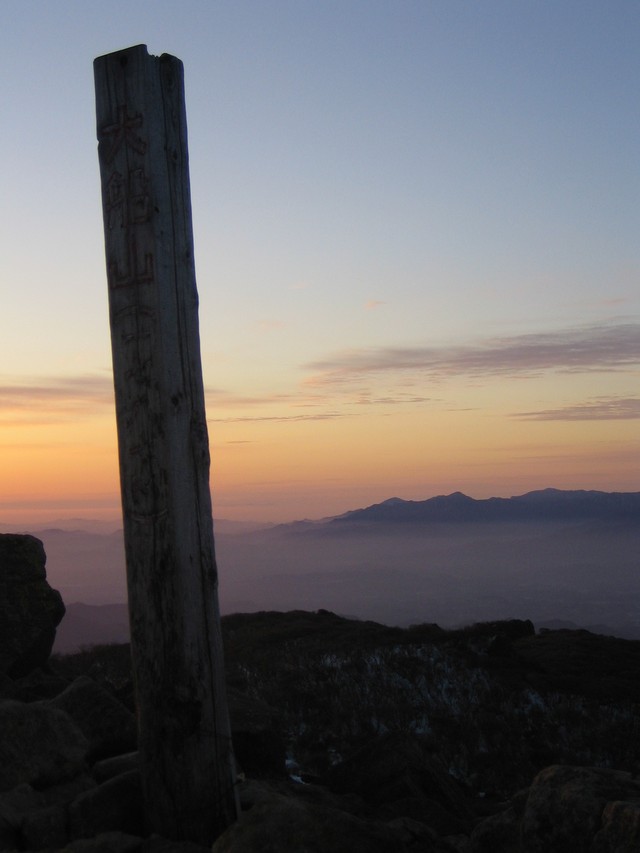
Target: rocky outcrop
point(30, 609)
point(51, 792)
point(39, 745)
point(301, 818)
point(401, 778)
point(620, 828)
point(258, 743)
point(114, 805)
point(565, 808)
point(109, 727)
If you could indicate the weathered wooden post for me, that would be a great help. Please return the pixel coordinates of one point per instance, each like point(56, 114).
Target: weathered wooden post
point(184, 735)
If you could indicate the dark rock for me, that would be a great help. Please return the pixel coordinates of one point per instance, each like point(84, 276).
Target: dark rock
point(45, 828)
point(258, 743)
point(108, 726)
point(36, 819)
point(30, 609)
point(9, 836)
point(458, 843)
point(114, 766)
point(499, 832)
point(156, 844)
point(14, 805)
point(106, 842)
point(397, 774)
point(620, 831)
point(288, 825)
point(39, 745)
point(65, 792)
point(252, 792)
point(415, 835)
point(7, 686)
point(565, 807)
point(36, 686)
point(115, 805)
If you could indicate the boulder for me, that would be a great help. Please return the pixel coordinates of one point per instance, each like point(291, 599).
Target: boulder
point(35, 686)
point(115, 805)
point(30, 609)
point(39, 745)
point(122, 842)
point(45, 828)
point(14, 805)
point(106, 842)
point(258, 743)
point(37, 819)
point(620, 831)
point(567, 807)
point(46, 823)
point(280, 816)
point(114, 766)
point(109, 727)
point(398, 775)
point(417, 836)
point(157, 844)
point(288, 825)
point(498, 832)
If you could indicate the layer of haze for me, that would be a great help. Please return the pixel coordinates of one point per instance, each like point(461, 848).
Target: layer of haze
point(416, 245)
point(585, 573)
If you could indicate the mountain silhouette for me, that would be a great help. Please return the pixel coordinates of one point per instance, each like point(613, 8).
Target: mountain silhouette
point(543, 505)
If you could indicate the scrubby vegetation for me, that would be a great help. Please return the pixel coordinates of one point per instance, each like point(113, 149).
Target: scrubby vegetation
point(495, 702)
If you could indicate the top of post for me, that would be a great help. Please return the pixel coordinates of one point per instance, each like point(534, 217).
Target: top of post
point(138, 52)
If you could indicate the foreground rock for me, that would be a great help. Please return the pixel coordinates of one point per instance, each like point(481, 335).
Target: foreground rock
point(398, 776)
point(39, 745)
point(30, 609)
point(109, 727)
point(304, 818)
point(565, 811)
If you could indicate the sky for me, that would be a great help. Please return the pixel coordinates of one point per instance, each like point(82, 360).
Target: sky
point(416, 233)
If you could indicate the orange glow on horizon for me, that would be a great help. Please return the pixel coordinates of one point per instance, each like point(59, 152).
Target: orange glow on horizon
point(281, 470)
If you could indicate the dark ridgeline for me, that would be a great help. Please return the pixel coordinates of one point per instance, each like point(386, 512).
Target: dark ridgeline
point(544, 505)
point(184, 735)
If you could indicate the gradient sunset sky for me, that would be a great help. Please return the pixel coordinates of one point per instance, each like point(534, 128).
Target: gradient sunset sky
point(416, 228)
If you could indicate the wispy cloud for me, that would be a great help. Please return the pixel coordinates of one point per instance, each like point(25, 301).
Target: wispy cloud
point(372, 304)
point(53, 399)
point(601, 409)
point(318, 416)
point(320, 405)
point(220, 398)
point(579, 350)
point(365, 398)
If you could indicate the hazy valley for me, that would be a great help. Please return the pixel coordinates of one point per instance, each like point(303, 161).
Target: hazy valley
point(556, 557)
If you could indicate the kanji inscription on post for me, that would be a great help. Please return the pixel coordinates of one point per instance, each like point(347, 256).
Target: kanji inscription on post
point(126, 201)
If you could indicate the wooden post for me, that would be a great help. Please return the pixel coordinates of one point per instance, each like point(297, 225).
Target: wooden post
point(184, 734)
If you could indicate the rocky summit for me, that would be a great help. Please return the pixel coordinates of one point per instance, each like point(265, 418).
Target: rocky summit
point(349, 735)
point(30, 609)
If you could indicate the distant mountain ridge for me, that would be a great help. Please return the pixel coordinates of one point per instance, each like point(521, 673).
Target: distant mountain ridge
point(543, 505)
